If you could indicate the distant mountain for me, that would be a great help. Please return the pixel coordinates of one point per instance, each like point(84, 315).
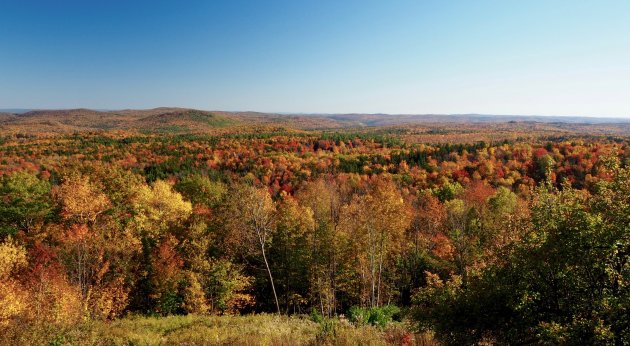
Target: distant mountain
point(151, 120)
point(184, 120)
point(14, 110)
point(396, 119)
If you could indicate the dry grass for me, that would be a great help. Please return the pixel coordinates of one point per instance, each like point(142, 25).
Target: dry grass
point(213, 330)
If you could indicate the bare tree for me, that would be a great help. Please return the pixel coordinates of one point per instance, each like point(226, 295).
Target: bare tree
point(252, 215)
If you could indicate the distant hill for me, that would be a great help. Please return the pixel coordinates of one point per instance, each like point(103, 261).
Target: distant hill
point(14, 110)
point(184, 120)
point(151, 120)
point(395, 119)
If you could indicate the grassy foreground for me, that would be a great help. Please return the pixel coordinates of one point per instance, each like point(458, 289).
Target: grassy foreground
point(215, 330)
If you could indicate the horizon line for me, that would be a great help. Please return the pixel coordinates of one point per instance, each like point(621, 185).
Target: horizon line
point(25, 110)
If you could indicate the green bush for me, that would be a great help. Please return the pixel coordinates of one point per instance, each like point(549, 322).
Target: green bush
point(316, 316)
point(377, 316)
point(359, 316)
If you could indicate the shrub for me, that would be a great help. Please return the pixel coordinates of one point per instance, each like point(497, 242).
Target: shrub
point(377, 316)
point(316, 316)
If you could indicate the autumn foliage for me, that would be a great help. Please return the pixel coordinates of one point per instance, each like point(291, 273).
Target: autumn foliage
point(99, 226)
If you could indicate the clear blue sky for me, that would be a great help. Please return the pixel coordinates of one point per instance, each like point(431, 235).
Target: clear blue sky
point(501, 57)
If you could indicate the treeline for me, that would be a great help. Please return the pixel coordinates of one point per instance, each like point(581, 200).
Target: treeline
point(466, 256)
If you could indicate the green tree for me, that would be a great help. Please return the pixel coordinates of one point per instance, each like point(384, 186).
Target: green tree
point(567, 282)
point(227, 287)
point(25, 201)
point(200, 189)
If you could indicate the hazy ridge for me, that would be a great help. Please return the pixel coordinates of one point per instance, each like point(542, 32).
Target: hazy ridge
point(182, 120)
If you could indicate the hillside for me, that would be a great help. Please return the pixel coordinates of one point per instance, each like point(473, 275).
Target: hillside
point(79, 120)
point(418, 128)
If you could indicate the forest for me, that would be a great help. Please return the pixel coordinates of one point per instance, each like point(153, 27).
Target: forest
point(352, 236)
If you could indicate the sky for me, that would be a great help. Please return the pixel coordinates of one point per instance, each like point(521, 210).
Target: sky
point(547, 57)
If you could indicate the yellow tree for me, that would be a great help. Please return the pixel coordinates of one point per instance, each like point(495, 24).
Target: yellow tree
point(83, 248)
point(291, 250)
point(80, 200)
point(461, 234)
point(378, 221)
point(12, 299)
point(158, 208)
point(160, 213)
point(323, 198)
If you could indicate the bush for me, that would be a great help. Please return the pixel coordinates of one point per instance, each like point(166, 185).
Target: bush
point(359, 316)
point(316, 316)
point(377, 316)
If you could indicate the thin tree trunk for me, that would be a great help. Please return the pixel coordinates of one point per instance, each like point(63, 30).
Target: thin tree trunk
point(380, 268)
point(380, 271)
point(334, 286)
point(321, 299)
point(286, 275)
point(273, 287)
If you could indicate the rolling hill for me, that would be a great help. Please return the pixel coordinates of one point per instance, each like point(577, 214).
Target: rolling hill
point(184, 120)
